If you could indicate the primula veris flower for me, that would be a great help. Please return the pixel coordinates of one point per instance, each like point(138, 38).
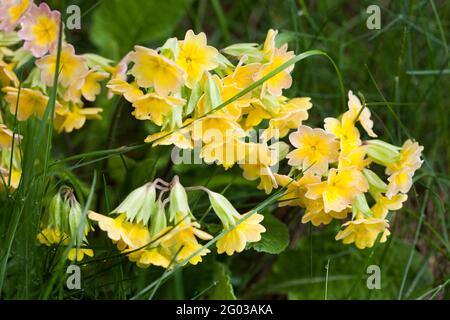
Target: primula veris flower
point(281, 80)
point(321, 217)
point(7, 75)
point(77, 254)
point(345, 130)
point(340, 189)
point(130, 91)
point(314, 149)
point(248, 230)
point(180, 138)
point(40, 27)
point(363, 231)
point(91, 86)
point(72, 70)
point(354, 158)
point(399, 181)
point(7, 136)
point(151, 69)
point(182, 240)
point(195, 57)
point(72, 118)
point(291, 116)
point(295, 189)
point(409, 157)
point(31, 102)
point(360, 113)
point(383, 205)
point(122, 232)
point(241, 229)
point(12, 11)
point(155, 108)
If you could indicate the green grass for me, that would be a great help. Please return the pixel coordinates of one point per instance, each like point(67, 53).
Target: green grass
point(403, 72)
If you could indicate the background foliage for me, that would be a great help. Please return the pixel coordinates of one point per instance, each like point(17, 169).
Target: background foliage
point(402, 70)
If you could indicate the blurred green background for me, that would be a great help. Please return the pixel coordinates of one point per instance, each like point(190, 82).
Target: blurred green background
point(403, 71)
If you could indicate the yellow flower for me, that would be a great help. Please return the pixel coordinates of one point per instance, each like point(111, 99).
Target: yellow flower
point(295, 189)
point(363, 231)
point(345, 131)
point(383, 205)
point(315, 149)
point(50, 236)
point(290, 117)
point(130, 91)
point(409, 158)
point(355, 108)
point(340, 189)
point(67, 119)
point(179, 138)
point(217, 129)
point(256, 164)
point(242, 76)
point(151, 69)
point(400, 181)
point(269, 43)
point(91, 86)
point(249, 230)
point(72, 70)
point(295, 196)
point(182, 239)
point(31, 102)
point(354, 158)
point(195, 57)
point(283, 79)
point(113, 227)
point(6, 137)
point(40, 28)
point(77, 254)
point(157, 256)
point(240, 228)
point(7, 75)
point(321, 217)
point(155, 108)
point(16, 175)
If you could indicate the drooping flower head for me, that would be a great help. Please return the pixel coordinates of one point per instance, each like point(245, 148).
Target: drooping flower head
point(151, 69)
point(72, 68)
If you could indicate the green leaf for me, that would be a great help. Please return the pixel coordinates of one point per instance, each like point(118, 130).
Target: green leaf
point(119, 25)
point(223, 289)
point(276, 237)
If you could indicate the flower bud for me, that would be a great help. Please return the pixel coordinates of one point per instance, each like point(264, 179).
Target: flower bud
point(76, 223)
point(382, 152)
point(244, 49)
point(179, 205)
point(158, 220)
point(223, 208)
point(376, 185)
point(361, 205)
point(139, 204)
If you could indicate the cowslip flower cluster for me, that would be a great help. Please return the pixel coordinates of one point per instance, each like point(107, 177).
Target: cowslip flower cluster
point(33, 31)
point(333, 175)
point(63, 223)
point(161, 230)
point(181, 86)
